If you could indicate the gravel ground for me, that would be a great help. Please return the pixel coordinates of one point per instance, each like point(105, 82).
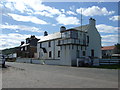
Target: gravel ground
point(22, 75)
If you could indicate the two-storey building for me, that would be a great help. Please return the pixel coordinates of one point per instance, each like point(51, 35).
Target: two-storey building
point(28, 49)
point(70, 44)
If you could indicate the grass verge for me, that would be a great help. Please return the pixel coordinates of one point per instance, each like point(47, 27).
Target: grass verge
point(107, 66)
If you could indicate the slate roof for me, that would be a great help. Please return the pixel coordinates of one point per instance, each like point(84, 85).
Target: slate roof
point(24, 45)
point(82, 28)
point(50, 37)
point(58, 34)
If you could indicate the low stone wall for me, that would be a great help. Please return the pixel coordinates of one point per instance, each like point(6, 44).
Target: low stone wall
point(36, 61)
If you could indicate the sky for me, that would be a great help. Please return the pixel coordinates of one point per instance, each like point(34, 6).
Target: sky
point(22, 18)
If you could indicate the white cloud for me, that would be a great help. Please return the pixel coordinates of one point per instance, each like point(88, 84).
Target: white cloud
point(102, 28)
point(31, 7)
point(108, 33)
point(108, 40)
point(22, 5)
point(71, 13)
point(44, 13)
point(1, 5)
point(115, 18)
point(94, 10)
point(53, 24)
point(62, 19)
point(63, 10)
point(12, 40)
point(72, 7)
point(21, 28)
point(27, 19)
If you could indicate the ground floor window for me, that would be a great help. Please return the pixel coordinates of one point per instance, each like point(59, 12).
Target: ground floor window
point(84, 53)
point(78, 52)
point(50, 54)
point(58, 53)
point(92, 53)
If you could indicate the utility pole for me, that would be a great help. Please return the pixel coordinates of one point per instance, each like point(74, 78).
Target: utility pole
point(81, 19)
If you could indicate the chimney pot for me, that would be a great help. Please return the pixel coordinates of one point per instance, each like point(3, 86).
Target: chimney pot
point(92, 21)
point(45, 33)
point(22, 42)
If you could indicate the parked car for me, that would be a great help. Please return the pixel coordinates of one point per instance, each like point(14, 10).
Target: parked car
point(2, 61)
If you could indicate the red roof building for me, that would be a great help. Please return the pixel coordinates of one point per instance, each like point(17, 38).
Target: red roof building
point(108, 51)
point(108, 47)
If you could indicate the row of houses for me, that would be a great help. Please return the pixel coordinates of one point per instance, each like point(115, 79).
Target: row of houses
point(67, 45)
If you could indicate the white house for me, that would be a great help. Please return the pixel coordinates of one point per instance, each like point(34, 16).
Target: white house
point(70, 44)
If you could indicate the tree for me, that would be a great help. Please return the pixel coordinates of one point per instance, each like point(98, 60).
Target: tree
point(117, 48)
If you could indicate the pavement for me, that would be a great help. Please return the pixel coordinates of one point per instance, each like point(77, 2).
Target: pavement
point(23, 75)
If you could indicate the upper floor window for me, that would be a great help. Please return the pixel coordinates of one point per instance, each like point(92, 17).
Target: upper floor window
point(66, 34)
point(49, 44)
point(25, 48)
point(22, 49)
point(74, 34)
point(40, 45)
point(87, 39)
point(58, 41)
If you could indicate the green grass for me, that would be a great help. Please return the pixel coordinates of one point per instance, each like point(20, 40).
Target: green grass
point(107, 66)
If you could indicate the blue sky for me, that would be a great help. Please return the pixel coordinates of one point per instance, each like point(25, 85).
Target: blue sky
point(23, 18)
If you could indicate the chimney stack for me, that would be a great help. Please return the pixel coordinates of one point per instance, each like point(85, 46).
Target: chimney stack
point(62, 28)
point(22, 42)
point(92, 21)
point(45, 33)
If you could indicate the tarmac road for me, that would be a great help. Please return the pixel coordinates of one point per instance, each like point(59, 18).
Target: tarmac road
point(22, 75)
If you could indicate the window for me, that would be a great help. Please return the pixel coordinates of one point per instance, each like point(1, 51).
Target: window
point(65, 47)
point(69, 46)
point(78, 52)
point(25, 48)
point(58, 53)
point(72, 46)
point(92, 53)
point(84, 53)
point(49, 44)
point(84, 39)
point(66, 34)
point(50, 54)
point(81, 47)
point(74, 34)
point(21, 49)
point(61, 48)
point(77, 47)
point(58, 42)
point(39, 55)
point(87, 39)
point(40, 45)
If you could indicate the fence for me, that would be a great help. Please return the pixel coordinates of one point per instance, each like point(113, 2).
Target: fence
point(98, 62)
point(109, 61)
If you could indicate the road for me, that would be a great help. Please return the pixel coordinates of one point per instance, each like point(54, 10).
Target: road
point(22, 75)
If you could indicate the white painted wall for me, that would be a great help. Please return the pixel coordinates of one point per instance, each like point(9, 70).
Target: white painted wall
point(54, 49)
point(94, 41)
point(36, 61)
